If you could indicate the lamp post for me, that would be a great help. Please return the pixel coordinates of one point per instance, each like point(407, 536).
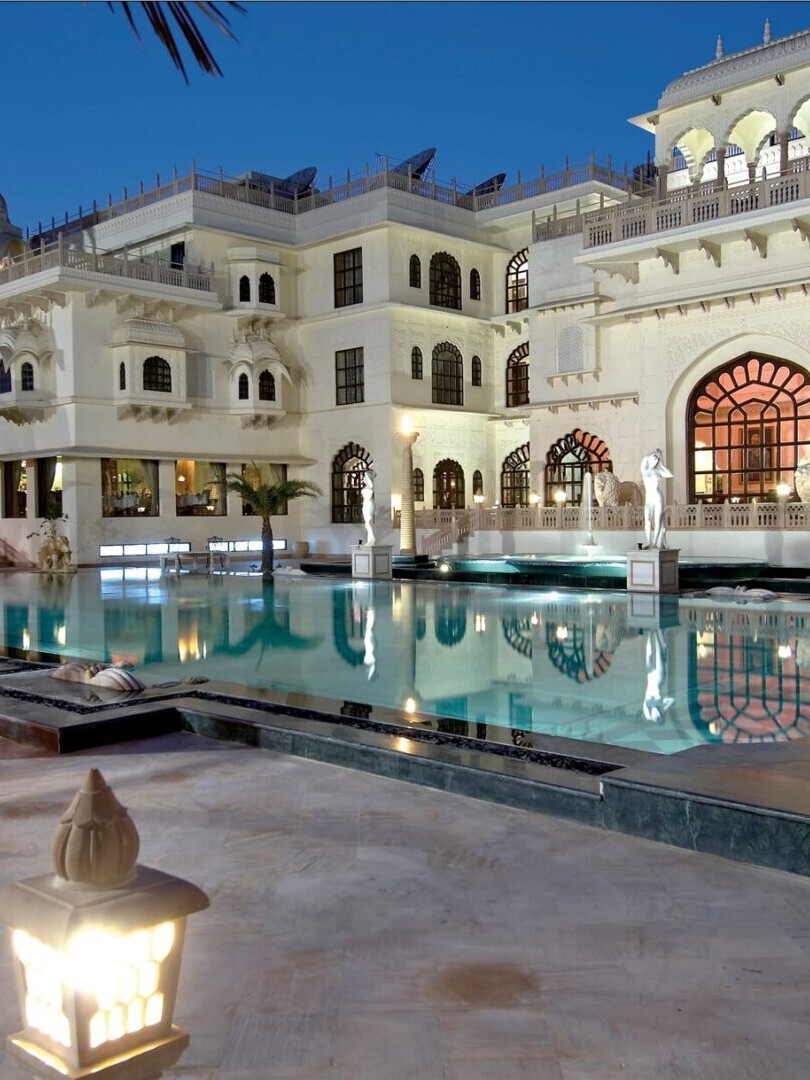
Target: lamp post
point(407, 518)
point(96, 950)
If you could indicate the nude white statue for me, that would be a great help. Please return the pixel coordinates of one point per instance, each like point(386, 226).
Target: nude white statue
point(368, 505)
point(655, 656)
point(370, 645)
point(653, 472)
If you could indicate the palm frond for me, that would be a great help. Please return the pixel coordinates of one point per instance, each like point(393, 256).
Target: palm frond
point(162, 13)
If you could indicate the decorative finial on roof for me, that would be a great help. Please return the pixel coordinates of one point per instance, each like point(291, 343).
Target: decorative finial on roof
point(766, 34)
point(718, 49)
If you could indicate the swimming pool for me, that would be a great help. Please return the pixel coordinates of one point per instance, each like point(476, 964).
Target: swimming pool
point(606, 667)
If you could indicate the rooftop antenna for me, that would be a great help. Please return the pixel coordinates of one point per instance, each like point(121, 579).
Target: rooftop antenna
point(718, 49)
point(766, 33)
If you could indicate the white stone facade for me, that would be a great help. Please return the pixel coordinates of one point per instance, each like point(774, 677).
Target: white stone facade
point(207, 326)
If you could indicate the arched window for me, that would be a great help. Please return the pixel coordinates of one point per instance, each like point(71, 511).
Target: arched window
point(517, 376)
point(244, 289)
point(450, 619)
point(416, 362)
point(749, 427)
point(415, 272)
point(448, 375)
point(445, 281)
point(267, 290)
point(349, 467)
point(5, 379)
point(478, 483)
point(517, 282)
point(418, 485)
point(475, 370)
point(27, 376)
point(157, 374)
point(475, 285)
point(515, 478)
point(243, 384)
point(448, 486)
point(267, 386)
point(567, 462)
point(122, 376)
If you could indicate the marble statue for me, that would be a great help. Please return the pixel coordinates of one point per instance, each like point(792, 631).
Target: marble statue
point(653, 472)
point(368, 505)
point(370, 645)
point(606, 488)
point(655, 655)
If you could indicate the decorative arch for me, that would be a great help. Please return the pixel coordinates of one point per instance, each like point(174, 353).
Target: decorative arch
point(450, 620)
point(243, 387)
point(267, 289)
point(800, 117)
point(749, 131)
point(569, 459)
point(448, 375)
point(349, 467)
point(569, 654)
point(748, 426)
point(517, 376)
point(694, 145)
point(445, 281)
point(415, 272)
point(157, 374)
point(244, 289)
point(448, 485)
point(515, 477)
point(517, 282)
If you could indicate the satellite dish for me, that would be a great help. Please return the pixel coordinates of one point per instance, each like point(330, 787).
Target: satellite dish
point(488, 187)
point(417, 165)
point(297, 183)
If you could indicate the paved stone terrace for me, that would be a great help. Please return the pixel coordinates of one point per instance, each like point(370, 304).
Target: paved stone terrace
point(367, 929)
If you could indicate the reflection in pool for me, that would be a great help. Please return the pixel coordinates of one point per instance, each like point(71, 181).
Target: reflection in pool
point(461, 658)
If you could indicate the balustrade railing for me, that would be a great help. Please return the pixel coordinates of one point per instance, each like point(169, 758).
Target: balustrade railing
point(142, 268)
point(694, 205)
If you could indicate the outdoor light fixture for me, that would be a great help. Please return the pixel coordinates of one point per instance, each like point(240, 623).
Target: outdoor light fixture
point(784, 652)
point(559, 496)
point(96, 950)
point(783, 490)
point(478, 500)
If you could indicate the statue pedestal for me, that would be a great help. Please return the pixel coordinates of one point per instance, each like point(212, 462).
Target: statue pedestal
point(371, 560)
point(653, 571)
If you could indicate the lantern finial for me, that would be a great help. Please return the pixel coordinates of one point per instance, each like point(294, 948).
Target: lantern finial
point(96, 843)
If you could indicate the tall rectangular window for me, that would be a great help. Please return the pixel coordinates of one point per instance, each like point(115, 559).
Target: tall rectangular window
point(349, 277)
point(49, 487)
point(14, 489)
point(349, 376)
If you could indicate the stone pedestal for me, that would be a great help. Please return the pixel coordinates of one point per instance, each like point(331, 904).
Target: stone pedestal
point(653, 570)
point(371, 560)
point(652, 611)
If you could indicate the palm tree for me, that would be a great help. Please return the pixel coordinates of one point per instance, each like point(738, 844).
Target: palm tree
point(160, 16)
point(266, 500)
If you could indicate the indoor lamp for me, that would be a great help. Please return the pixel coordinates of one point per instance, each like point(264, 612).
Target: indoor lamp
point(96, 949)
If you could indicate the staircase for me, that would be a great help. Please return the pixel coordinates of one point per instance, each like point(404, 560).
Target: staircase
point(455, 531)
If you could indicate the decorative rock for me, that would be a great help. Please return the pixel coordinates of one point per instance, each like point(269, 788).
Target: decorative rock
point(606, 488)
point(115, 678)
point(740, 594)
point(76, 672)
point(96, 843)
point(802, 481)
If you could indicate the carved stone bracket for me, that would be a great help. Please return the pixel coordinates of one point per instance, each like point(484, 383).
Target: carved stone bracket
point(670, 259)
point(758, 242)
point(802, 228)
point(711, 251)
point(156, 413)
point(260, 420)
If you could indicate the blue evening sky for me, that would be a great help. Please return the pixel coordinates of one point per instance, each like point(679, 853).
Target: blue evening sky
point(495, 86)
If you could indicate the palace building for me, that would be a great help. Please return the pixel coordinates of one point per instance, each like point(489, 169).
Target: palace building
point(531, 332)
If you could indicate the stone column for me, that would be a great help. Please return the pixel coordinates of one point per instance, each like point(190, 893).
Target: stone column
point(721, 165)
point(663, 176)
point(407, 520)
point(784, 139)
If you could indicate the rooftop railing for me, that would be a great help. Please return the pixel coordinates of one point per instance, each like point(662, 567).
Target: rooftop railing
point(699, 204)
point(242, 190)
point(142, 268)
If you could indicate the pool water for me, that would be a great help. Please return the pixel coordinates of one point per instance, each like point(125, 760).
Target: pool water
point(603, 667)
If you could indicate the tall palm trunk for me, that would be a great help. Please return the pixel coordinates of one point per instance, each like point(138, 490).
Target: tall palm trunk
point(267, 547)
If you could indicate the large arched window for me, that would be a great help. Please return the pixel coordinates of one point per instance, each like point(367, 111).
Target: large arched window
point(475, 285)
point(515, 478)
point(418, 485)
point(448, 375)
point(267, 386)
point(567, 462)
point(27, 376)
point(448, 486)
point(445, 281)
point(416, 362)
point(267, 289)
point(415, 272)
point(517, 376)
point(157, 374)
point(244, 289)
point(243, 387)
point(349, 467)
point(517, 282)
point(475, 371)
point(748, 427)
